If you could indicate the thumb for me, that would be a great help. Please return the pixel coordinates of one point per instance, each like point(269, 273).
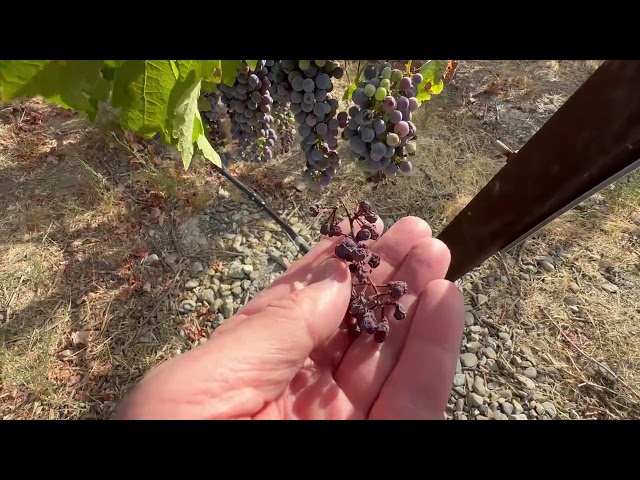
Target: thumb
point(242, 368)
point(279, 338)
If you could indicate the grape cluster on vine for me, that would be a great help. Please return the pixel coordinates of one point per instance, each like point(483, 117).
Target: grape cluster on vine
point(307, 85)
point(370, 305)
point(249, 107)
point(379, 127)
point(278, 100)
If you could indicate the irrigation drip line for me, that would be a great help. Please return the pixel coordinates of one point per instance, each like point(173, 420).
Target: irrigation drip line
point(259, 201)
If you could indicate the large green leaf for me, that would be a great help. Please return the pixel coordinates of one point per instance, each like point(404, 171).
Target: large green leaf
point(185, 128)
point(141, 90)
point(252, 64)
point(65, 82)
point(152, 96)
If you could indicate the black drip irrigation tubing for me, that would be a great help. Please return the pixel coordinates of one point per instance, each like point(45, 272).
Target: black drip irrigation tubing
point(259, 201)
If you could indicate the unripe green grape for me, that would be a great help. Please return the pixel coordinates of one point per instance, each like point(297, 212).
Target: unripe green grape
point(411, 148)
point(304, 64)
point(396, 75)
point(369, 90)
point(320, 63)
point(385, 83)
point(381, 93)
point(386, 73)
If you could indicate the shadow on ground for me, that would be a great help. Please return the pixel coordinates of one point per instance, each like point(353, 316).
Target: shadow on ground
point(84, 312)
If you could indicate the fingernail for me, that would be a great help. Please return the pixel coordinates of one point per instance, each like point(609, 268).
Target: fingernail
point(331, 269)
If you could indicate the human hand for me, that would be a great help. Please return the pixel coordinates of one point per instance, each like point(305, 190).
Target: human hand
point(283, 356)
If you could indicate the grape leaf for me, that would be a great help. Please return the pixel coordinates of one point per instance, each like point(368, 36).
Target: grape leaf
point(349, 91)
point(432, 83)
point(203, 103)
point(141, 90)
point(211, 82)
point(252, 64)
point(148, 91)
point(174, 68)
point(109, 68)
point(65, 82)
point(202, 68)
point(185, 128)
point(101, 92)
point(229, 71)
point(113, 63)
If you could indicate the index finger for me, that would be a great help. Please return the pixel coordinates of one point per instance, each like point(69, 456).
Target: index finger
point(420, 384)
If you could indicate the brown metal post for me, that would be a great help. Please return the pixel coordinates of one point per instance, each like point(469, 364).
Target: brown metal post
point(594, 135)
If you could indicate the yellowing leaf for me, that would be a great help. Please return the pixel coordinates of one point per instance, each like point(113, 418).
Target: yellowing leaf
point(432, 84)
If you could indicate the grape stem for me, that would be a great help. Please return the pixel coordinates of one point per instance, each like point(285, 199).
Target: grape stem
point(351, 219)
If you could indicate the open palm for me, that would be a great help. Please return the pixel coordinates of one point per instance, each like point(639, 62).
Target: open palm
point(283, 356)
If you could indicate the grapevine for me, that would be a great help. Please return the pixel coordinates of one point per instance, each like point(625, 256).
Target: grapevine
point(256, 108)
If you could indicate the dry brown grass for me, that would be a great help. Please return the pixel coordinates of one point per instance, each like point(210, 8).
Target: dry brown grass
point(82, 316)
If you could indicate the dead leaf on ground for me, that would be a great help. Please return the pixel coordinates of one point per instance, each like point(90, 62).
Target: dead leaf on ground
point(124, 293)
point(146, 287)
point(130, 137)
point(81, 337)
point(140, 252)
point(217, 265)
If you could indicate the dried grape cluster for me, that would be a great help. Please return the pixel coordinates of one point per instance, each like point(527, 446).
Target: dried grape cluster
point(370, 304)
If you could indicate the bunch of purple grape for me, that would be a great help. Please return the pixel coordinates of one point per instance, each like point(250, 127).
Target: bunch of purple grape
point(280, 88)
point(307, 86)
point(379, 127)
point(249, 107)
point(368, 310)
